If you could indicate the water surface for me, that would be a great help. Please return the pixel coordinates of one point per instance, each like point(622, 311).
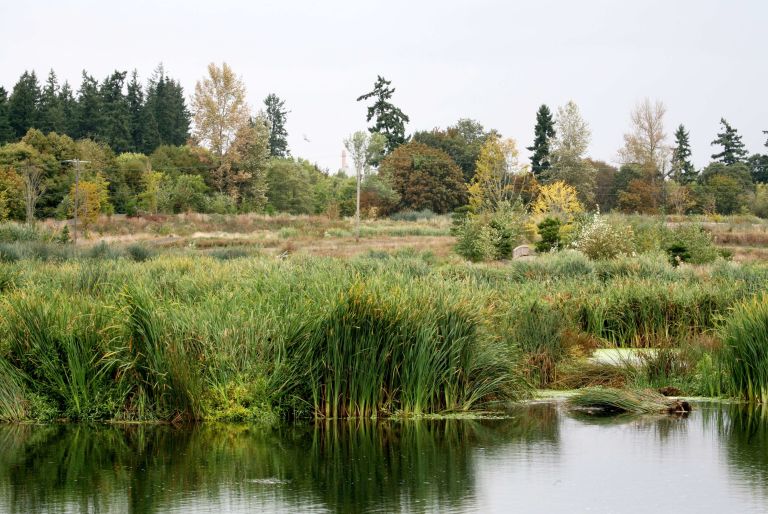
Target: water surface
point(542, 459)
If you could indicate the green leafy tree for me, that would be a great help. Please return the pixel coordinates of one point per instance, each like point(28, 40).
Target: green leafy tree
point(682, 169)
point(276, 115)
point(568, 154)
point(729, 187)
point(544, 132)
point(389, 120)
point(51, 117)
point(425, 178)
point(290, 185)
point(733, 150)
point(7, 133)
point(461, 141)
point(24, 103)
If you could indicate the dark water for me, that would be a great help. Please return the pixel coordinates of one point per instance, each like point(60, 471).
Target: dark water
point(541, 460)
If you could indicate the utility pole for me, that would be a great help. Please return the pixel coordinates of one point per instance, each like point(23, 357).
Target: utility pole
point(77, 163)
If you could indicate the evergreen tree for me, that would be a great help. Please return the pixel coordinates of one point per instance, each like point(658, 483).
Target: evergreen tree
point(543, 134)
point(682, 169)
point(68, 106)
point(24, 104)
point(6, 131)
point(51, 115)
point(167, 117)
point(137, 115)
point(733, 148)
point(115, 129)
point(276, 117)
point(390, 120)
point(87, 119)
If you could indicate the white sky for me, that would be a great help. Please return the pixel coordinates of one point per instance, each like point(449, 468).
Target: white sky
point(494, 61)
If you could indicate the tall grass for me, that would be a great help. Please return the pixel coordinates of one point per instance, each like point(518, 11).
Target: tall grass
point(745, 349)
point(181, 337)
point(384, 349)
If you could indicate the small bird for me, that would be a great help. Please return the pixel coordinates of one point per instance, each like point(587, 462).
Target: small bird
point(306, 138)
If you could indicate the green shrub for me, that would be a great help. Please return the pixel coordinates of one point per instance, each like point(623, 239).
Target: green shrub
point(491, 235)
point(139, 252)
point(409, 215)
point(692, 244)
point(549, 231)
point(9, 253)
point(600, 239)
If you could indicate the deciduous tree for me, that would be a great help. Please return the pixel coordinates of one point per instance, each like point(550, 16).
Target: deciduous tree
point(220, 108)
point(425, 178)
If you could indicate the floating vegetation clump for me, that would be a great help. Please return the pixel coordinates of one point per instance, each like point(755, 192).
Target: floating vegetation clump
point(609, 400)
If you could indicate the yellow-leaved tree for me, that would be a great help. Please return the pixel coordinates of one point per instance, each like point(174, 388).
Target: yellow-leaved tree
point(494, 181)
point(559, 201)
point(92, 200)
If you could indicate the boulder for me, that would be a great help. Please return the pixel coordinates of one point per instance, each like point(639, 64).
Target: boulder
point(522, 251)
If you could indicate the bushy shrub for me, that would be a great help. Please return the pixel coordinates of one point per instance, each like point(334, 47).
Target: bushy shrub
point(139, 252)
point(599, 239)
point(549, 231)
point(9, 253)
point(410, 215)
point(491, 235)
point(691, 243)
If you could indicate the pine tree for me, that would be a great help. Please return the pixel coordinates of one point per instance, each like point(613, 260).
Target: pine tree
point(682, 169)
point(51, 115)
point(115, 129)
point(390, 120)
point(276, 117)
point(24, 104)
point(88, 113)
point(180, 117)
point(167, 117)
point(135, 98)
point(733, 148)
point(68, 106)
point(543, 135)
point(6, 131)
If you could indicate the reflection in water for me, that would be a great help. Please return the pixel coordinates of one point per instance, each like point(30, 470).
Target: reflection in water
point(538, 460)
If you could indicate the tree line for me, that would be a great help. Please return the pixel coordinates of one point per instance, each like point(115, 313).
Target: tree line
point(144, 150)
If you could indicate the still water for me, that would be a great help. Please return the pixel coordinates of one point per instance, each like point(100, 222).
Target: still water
point(542, 459)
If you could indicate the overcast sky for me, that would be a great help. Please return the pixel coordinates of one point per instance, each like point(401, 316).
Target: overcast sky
point(494, 61)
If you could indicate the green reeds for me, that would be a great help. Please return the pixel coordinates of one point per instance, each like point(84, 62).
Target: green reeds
point(745, 349)
point(382, 349)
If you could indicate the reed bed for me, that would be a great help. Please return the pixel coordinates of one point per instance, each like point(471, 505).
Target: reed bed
point(745, 349)
point(179, 337)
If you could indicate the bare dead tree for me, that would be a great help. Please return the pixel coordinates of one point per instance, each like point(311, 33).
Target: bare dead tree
point(33, 189)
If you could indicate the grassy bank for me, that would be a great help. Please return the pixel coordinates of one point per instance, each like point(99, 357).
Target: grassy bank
point(177, 337)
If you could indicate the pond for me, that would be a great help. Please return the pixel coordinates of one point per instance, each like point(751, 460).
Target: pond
point(541, 459)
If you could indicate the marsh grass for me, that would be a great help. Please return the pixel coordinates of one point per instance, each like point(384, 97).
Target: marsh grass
point(383, 349)
point(745, 349)
point(611, 400)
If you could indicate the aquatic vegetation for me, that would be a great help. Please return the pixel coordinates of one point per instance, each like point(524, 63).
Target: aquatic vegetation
point(611, 400)
point(745, 349)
